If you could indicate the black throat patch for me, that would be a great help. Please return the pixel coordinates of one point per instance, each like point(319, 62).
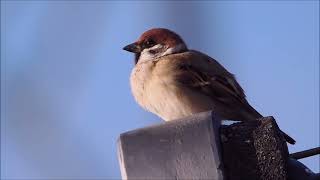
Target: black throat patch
point(136, 57)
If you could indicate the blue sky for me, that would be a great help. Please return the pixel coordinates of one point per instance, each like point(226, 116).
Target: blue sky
point(65, 78)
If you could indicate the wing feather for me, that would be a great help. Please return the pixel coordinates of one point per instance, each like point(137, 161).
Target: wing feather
point(212, 78)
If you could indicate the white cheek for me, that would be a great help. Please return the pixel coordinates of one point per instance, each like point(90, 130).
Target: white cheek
point(147, 56)
point(160, 51)
point(175, 49)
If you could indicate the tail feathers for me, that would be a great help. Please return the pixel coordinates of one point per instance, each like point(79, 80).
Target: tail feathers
point(289, 139)
point(252, 114)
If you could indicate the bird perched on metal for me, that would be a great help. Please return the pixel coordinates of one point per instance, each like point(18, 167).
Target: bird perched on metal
point(172, 81)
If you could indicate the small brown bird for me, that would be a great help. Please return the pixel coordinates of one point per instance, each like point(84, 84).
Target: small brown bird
point(172, 81)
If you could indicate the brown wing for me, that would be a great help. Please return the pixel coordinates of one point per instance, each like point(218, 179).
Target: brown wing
point(211, 78)
point(201, 71)
point(215, 86)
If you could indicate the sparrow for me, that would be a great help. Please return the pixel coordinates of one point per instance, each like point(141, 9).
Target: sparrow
point(173, 82)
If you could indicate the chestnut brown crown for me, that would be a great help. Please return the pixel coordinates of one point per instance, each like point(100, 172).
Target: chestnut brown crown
point(156, 43)
point(153, 37)
point(160, 36)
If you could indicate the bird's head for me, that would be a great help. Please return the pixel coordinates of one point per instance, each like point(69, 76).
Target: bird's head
point(156, 43)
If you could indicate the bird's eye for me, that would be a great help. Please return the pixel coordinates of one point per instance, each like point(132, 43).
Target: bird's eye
point(149, 43)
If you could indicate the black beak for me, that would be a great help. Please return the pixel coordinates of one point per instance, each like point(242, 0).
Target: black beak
point(134, 47)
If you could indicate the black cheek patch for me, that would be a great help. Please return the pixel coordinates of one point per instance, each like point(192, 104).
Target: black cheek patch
point(152, 51)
